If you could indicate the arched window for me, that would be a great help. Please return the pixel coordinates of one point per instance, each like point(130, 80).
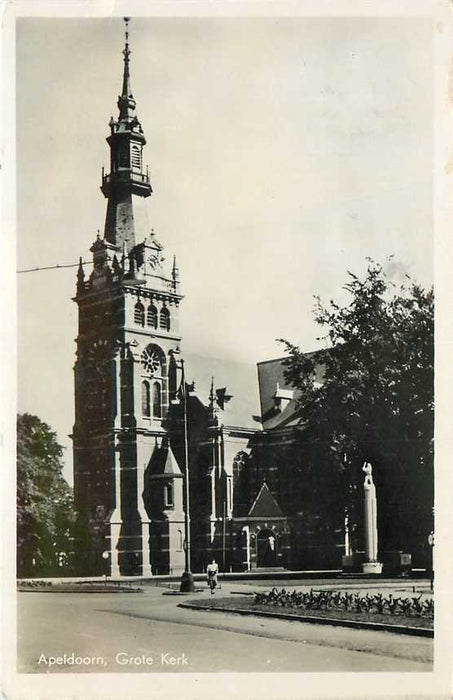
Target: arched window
point(154, 371)
point(136, 157)
point(169, 502)
point(146, 400)
point(180, 541)
point(164, 319)
point(139, 313)
point(157, 400)
point(151, 317)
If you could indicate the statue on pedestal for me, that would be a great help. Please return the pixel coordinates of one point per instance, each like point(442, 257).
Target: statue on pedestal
point(371, 564)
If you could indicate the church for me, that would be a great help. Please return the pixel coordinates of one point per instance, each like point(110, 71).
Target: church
point(130, 446)
point(151, 448)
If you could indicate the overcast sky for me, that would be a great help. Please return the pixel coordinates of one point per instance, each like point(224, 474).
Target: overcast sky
point(282, 152)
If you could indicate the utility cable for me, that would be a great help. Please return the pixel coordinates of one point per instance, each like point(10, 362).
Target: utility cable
point(53, 267)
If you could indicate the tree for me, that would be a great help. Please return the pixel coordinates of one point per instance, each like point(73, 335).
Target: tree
point(44, 499)
point(375, 401)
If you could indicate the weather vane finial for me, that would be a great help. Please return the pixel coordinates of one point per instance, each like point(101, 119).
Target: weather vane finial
point(126, 35)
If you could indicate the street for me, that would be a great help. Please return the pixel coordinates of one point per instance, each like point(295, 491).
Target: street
point(147, 632)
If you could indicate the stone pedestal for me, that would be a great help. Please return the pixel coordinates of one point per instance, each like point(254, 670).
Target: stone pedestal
point(372, 567)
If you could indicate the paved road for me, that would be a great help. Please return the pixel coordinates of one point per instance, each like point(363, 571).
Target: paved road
point(147, 632)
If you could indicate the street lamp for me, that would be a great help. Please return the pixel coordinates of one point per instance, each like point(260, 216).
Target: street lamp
point(187, 583)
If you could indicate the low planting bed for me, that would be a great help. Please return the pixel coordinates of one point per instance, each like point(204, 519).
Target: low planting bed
point(333, 605)
point(74, 587)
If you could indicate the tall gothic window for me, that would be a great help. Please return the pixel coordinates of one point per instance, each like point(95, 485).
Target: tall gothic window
point(146, 400)
point(157, 400)
point(139, 313)
point(151, 317)
point(164, 319)
point(154, 373)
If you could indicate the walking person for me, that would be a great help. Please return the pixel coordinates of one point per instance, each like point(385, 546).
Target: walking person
point(212, 571)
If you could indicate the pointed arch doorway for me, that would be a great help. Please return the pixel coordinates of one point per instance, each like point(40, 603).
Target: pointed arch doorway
point(266, 549)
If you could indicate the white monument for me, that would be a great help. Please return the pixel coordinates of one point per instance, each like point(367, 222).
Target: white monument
point(371, 564)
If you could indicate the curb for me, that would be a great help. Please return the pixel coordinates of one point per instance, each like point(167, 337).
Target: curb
point(197, 590)
point(354, 624)
point(51, 589)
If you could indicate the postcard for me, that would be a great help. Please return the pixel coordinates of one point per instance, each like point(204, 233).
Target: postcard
point(226, 345)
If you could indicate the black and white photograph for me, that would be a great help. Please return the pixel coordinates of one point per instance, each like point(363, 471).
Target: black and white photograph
point(225, 243)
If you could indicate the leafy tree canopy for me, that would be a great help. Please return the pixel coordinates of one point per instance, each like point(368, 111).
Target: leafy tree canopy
point(44, 499)
point(375, 401)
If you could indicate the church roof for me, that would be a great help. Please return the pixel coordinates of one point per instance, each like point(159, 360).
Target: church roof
point(279, 419)
point(252, 403)
point(272, 384)
point(242, 410)
point(265, 505)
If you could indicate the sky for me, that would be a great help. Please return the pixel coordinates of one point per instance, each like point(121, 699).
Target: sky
point(282, 153)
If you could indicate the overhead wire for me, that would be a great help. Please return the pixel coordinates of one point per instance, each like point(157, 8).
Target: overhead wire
point(54, 267)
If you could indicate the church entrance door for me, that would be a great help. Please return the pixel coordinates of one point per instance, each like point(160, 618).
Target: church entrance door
point(266, 549)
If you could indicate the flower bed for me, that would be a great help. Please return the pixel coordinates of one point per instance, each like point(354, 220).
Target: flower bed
point(76, 587)
point(405, 612)
point(338, 601)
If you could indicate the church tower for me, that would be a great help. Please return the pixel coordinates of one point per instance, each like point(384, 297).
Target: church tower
point(126, 373)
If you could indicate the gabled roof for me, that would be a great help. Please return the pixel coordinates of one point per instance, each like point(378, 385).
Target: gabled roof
point(265, 505)
point(163, 463)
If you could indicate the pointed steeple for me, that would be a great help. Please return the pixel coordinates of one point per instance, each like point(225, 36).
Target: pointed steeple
point(80, 276)
point(128, 178)
point(212, 395)
point(126, 102)
point(212, 409)
point(175, 270)
point(175, 275)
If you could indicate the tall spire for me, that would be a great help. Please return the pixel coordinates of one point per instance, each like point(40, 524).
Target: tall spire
point(126, 102)
point(175, 275)
point(211, 394)
point(80, 276)
point(127, 178)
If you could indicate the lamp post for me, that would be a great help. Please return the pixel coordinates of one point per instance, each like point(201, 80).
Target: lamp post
point(187, 584)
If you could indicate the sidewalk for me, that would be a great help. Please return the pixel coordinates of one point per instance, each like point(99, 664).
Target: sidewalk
point(345, 580)
point(227, 575)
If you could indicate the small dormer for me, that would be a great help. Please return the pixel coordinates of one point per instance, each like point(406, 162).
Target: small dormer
point(282, 398)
